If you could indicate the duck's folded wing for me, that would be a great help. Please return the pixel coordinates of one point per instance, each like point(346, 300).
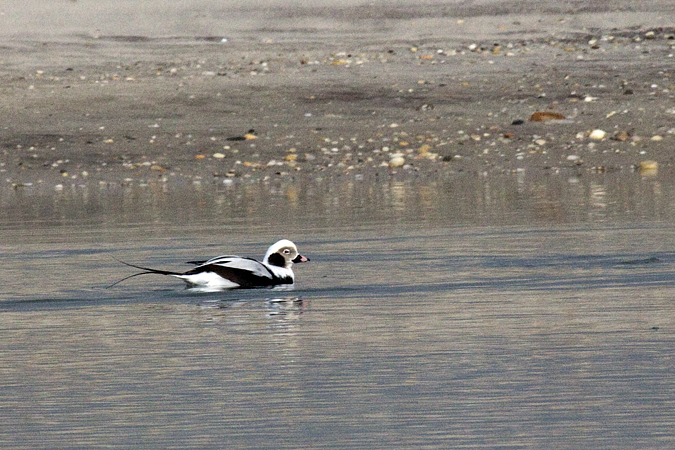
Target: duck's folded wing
point(214, 260)
point(245, 272)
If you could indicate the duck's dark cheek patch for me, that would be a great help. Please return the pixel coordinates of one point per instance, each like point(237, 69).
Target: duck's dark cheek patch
point(276, 259)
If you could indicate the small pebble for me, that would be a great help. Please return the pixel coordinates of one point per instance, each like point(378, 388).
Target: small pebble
point(218, 155)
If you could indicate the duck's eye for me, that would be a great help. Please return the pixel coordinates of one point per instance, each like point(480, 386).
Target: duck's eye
point(286, 251)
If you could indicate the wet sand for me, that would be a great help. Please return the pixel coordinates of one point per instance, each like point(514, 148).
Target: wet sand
point(131, 94)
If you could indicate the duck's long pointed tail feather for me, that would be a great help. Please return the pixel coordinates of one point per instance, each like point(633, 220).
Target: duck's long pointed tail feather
point(146, 271)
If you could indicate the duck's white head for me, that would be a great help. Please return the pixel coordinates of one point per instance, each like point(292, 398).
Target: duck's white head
point(283, 254)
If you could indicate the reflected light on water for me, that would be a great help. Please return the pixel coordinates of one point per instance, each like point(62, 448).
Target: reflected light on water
point(462, 199)
point(468, 312)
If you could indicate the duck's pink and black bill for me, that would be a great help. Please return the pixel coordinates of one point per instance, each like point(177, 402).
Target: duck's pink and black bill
point(300, 259)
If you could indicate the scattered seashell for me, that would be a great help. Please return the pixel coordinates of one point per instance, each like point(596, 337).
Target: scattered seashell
point(648, 165)
point(621, 136)
point(543, 116)
point(657, 138)
point(218, 155)
point(648, 168)
point(597, 135)
point(397, 160)
point(249, 135)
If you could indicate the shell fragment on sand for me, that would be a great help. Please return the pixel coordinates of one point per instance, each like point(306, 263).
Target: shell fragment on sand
point(597, 135)
point(545, 116)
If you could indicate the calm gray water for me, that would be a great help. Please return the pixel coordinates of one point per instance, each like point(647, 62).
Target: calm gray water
point(470, 312)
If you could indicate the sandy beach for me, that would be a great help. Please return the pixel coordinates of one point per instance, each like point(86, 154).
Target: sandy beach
point(129, 93)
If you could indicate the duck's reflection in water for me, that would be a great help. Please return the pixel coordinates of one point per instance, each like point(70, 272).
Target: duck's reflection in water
point(290, 307)
point(280, 313)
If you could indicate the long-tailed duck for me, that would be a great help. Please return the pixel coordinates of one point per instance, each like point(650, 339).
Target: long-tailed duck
point(227, 272)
